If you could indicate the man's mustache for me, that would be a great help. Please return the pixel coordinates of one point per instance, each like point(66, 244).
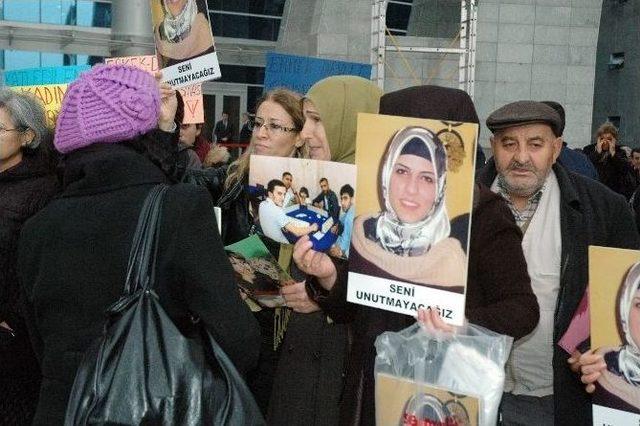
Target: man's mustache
point(521, 166)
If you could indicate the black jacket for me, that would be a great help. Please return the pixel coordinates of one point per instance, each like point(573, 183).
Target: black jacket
point(590, 214)
point(73, 257)
point(614, 171)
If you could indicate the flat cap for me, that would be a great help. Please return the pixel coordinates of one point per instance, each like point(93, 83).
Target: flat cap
point(525, 112)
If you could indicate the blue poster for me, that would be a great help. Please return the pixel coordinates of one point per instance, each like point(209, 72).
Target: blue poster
point(40, 76)
point(299, 73)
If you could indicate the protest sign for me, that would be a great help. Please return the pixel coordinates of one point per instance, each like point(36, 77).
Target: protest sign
point(191, 95)
point(614, 290)
point(411, 232)
point(51, 97)
point(40, 76)
point(299, 73)
point(310, 197)
point(184, 42)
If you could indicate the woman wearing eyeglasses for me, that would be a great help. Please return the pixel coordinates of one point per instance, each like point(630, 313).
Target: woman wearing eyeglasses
point(27, 183)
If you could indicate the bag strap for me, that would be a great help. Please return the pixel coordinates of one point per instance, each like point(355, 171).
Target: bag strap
point(142, 257)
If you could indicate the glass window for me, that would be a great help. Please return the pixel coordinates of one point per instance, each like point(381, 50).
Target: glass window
point(21, 10)
point(245, 27)
point(18, 59)
point(51, 59)
point(59, 12)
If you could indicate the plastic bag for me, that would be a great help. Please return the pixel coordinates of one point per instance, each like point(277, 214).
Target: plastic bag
point(436, 378)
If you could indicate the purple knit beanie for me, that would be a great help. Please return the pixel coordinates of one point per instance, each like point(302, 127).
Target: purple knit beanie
point(107, 104)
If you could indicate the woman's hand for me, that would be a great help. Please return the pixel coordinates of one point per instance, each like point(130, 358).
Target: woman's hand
point(591, 366)
point(168, 104)
point(431, 320)
point(298, 299)
point(314, 263)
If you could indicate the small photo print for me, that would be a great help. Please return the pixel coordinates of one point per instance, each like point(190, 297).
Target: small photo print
point(257, 272)
point(296, 197)
point(400, 401)
point(614, 289)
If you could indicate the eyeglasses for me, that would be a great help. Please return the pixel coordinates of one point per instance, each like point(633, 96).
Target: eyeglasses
point(272, 127)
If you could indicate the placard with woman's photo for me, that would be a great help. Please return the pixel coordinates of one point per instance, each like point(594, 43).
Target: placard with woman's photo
point(614, 299)
point(293, 197)
point(410, 236)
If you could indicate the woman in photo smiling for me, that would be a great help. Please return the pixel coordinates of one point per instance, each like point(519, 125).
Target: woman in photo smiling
point(409, 241)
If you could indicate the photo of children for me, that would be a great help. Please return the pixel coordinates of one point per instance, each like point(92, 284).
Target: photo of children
point(184, 41)
point(409, 243)
point(615, 320)
point(297, 197)
point(257, 272)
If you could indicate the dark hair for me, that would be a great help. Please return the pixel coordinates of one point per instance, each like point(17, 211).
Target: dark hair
point(635, 150)
point(305, 190)
point(347, 189)
point(273, 183)
point(286, 174)
point(323, 180)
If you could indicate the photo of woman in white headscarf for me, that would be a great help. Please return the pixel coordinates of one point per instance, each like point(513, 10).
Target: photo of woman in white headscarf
point(183, 31)
point(409, 240)
point(618, 377)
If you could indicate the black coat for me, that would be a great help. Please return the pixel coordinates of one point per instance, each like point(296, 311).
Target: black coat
point(73, 257)
point(615, 171)
point(590, 214)
point(24, 190)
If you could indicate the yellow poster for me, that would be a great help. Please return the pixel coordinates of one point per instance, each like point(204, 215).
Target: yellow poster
point(415, 195)
point(51, 97)
point(403, 402)
point(614, 293)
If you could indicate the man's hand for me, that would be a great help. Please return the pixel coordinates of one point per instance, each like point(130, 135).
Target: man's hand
point(168, 104)
point(297, 298)
point(314, 263)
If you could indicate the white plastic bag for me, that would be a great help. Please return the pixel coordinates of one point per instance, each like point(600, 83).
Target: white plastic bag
point(436, 378)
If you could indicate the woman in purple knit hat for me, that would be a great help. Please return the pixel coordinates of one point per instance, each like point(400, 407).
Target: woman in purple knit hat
point(73, 255)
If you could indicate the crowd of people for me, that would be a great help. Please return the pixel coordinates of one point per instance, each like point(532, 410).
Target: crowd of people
point(69, 205)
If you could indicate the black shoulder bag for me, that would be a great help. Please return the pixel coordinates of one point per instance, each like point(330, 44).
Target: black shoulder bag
point(143, 370)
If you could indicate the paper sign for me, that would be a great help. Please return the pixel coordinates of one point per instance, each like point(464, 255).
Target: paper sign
point(614, 290)
point(191, 95)
point(51, 97)
point(184, 42)
point(299, 73)
point(410, 236)
point(40, 76)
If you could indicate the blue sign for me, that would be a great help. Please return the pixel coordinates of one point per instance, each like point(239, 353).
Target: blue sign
point(39, 76)
point(299, 73)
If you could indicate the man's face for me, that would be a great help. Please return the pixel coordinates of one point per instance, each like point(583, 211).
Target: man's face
point(345, 201)
point(524, 155)
point(635, 160)
point(278, 195)
point(324, 186)
point(287, 180)
point(225, 117)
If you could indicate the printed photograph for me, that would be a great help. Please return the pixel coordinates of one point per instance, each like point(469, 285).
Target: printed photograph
point(400, 401)
point(415, 180)
point(296, 197)
point(181, 29)
point(614, 276)
point(257, 272)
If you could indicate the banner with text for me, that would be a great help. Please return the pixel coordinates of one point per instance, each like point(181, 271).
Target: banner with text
point(409, 241)
point(184, 42)
point(191, 95)
point(299, 73)
point(40, 76)
point(51, 97)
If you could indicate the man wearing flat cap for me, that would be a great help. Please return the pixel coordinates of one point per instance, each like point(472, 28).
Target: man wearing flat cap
point(560, 214)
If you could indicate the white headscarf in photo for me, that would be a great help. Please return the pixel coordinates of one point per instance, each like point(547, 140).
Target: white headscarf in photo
point(414, 239)
point(176, 28)
point(629, 355)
